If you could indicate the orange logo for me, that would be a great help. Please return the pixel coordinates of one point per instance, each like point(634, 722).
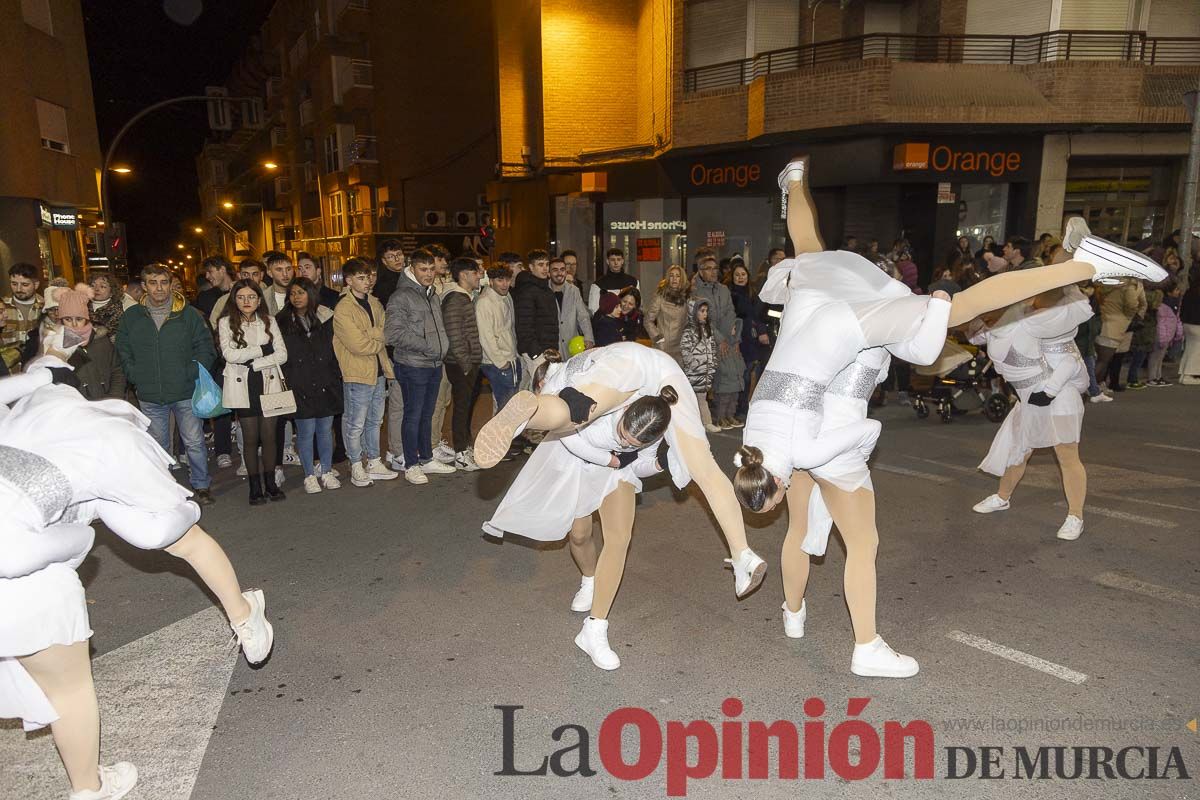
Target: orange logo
point(910, 156)
point(918, 155)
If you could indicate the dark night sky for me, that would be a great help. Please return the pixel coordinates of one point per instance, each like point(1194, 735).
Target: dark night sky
point(139, 54)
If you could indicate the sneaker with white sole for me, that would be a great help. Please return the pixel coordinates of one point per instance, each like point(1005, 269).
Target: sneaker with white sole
point(115, 782)
point(444, 452)
point(255, 634)
point(748, 572)
point(290, 457)
point(329, 481)
point(465, 462)
point(793, 621)
point(794, 172)
point(359, 476)
point(396, 463)
point(378, 471)
point(495, 438)
point(711, 428)
point(312, 484)
point(415, 476)
point(993, 502)
point(876, 660)
point(224, 461)
point(1071, 528)
point(1100, 398)
point(582, 601)
point(593, 640)
point(1074, 233)
point(435, 467)
point(1113, 262)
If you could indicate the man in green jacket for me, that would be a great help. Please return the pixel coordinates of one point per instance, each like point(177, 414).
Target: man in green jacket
point(159, 342)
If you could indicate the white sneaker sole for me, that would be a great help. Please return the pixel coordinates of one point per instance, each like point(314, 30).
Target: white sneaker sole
point(756, 579)
point(580, 644)
point(1116, 262)
point(579, 606)
point(982, 509)
point(495, 438)
point(876, 672)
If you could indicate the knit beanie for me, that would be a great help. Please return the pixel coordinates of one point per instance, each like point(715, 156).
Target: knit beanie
point(74, 302)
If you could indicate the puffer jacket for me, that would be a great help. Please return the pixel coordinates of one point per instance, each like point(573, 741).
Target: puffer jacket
point(161, 362)
point(413, 325)
point(1170, 329)
point(536, 313)
point(458, 314)
point(698, 351)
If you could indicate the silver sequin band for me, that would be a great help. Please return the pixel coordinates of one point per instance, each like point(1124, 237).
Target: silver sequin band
point(1026, 383)
point(802, 394)
point(1061, 347)
point(856, 381)
point(37, 479)
point(1015, 359)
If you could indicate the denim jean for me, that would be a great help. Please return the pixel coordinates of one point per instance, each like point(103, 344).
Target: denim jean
point(191, 431)
point(420, 387)
point(362, 416)
point(322, 429)
point(503, 382)
point(1093, 386)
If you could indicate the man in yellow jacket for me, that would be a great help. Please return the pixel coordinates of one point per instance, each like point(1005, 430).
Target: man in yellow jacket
point(358, 345)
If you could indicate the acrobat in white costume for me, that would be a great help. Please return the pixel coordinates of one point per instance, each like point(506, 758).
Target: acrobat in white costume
point(1033, 348)
point(609, 380)
point(836, 305)
point(65, 462)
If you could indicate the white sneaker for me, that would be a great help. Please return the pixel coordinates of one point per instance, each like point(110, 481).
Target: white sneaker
point(115, 782)
point(329, 480)
point(793, 621)
point(415, 476)
point(444, 453)
point(436, 467)
point(255, 635)
point(359, 476)
point(290, 457)
point(224, 461)
point(396, 463)
point(279, 476)
point(876, 660)
point(495, 438)
point(242, 471)
point(312, 484)
point(1071, 528)
point(377, 471)
point(711, 428)
point(582, 601)
point(1113, 262)
point(1074, 233)
point(465, 461)
point(1101, 398)
point(593, 640)
point(993, 502)
point(748, 571)
point(795, 171)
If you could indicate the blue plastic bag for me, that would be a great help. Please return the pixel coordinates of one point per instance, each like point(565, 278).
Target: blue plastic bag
point(206, 400)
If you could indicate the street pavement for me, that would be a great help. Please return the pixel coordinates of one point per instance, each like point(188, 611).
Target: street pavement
point(400, 628)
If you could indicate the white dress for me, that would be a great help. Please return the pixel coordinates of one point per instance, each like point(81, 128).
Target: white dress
point(836, 305)
point(1015, 346)
point(63, 463)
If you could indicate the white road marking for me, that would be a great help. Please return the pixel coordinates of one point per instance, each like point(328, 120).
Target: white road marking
point(1018, 657)
point(955, 467)
point(159, 699)
point(1173, 447)
point(1125, 516)
point(1115, 580)
point(912, 473)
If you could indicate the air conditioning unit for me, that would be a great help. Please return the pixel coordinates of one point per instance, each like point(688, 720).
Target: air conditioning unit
point(464, 219)
point(434, 219)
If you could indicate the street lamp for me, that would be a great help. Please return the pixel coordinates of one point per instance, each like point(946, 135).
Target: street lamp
point(227, 205)
point(270, 165)
point(179, 246)
point(198, 229)
point(122, 170)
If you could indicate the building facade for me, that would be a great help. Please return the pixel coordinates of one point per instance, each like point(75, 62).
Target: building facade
point(355, 130)
point(658, 126)
point(49, 172)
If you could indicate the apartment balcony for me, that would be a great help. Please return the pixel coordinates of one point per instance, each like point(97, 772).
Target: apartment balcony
point(1069, 77)
point(362, 161)
point(354, 84)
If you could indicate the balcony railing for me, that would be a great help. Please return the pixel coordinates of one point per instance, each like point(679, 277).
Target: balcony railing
point(363, 150)
point(1035, 48)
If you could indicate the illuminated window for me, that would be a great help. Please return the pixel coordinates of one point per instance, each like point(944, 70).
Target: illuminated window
point(337, 214)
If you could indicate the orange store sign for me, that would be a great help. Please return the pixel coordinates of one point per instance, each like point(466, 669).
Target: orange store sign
point(739, 175)
point(910, 156)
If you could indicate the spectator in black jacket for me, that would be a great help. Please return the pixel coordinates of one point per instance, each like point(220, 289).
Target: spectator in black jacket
point(307, 267)
point(536, 312)
point(388, 270)
point(464, 356)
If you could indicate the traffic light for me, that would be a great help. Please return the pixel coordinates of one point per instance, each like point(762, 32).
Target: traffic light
point(115, 245)
point(487, 236)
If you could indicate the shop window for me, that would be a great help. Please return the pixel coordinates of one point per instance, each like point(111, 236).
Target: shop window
point(982, 211)
point(52, 122)
point(37, 14)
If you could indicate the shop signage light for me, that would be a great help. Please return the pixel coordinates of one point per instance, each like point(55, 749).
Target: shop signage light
point(649, 225)
point(910, 156)
point(739, 175)
point(63, 219)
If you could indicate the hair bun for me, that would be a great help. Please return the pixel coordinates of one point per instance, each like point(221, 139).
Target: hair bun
point(668, 395)
point(552, 356)
point(750, 456)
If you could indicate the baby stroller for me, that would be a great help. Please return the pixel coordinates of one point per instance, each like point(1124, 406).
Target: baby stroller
point(961, 372)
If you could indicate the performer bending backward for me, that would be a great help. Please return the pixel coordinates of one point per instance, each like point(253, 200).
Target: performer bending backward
point(64, 462)
point(1033, 347)
point(836, 305)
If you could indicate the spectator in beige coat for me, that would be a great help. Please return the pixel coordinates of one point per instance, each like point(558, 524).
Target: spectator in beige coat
point(666, 314)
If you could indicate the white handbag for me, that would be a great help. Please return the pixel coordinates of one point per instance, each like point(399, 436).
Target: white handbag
point(280, 402)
